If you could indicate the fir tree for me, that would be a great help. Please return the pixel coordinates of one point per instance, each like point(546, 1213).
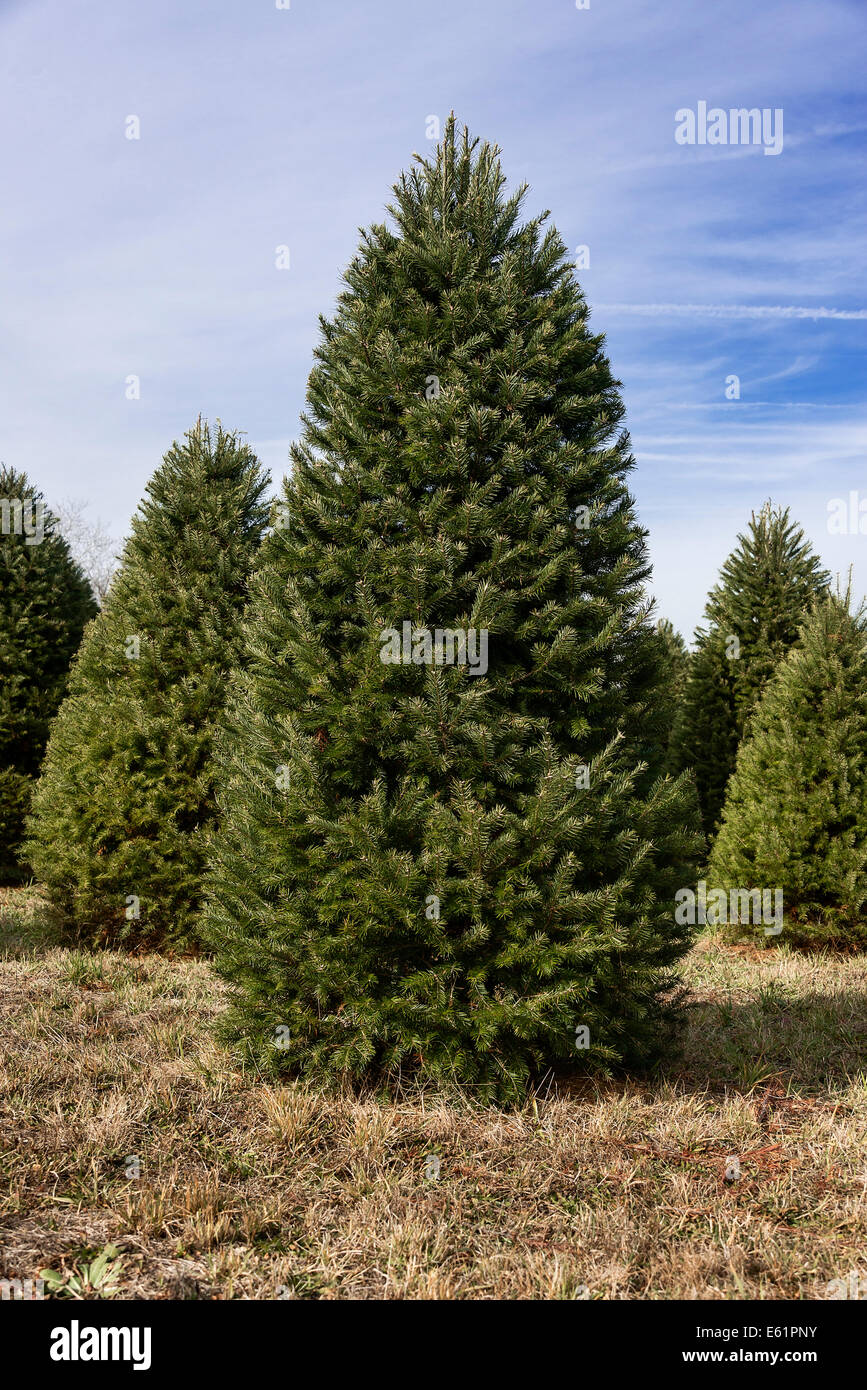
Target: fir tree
point(674, 662)
point(795, 815)
point(126, 798)
point(427, 865)
point(705, 737)
point(45, 602)
point(752, 617)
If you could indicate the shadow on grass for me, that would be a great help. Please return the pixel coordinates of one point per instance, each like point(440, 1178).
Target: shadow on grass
point(28, 925)
point(800, 1042)
point(31, 926)
point(746, 1031)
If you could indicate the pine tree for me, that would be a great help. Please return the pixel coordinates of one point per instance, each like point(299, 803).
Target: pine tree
point(45, 602)
point(795, 815)
point(752, 617)
point(449, 865)
point(126, 799)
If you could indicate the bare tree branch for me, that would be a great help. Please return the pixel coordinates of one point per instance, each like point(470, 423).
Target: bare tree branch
point(90, 543)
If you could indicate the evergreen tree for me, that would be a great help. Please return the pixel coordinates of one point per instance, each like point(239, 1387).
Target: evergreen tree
point(126, 798)
point(45, 602)
point(795, 815)
point(674, 660)
point(705, 736)
point(752, 617)
point(434, 861)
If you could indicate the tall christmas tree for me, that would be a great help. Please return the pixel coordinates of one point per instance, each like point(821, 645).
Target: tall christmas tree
point(126, 798)
point(445, 849)
point(752, 617)
point(45, 602)
point(795, 816)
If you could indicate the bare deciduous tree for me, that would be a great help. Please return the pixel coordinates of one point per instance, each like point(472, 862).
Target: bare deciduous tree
point(90, 543)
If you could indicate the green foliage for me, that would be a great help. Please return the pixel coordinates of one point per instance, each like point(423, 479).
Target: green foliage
point(674, 671)
point(796, 811)
point(126, 798)
point(409, 877)
point(96, 1278)
point(45, 602)
point(752, 617)
point(705, 736)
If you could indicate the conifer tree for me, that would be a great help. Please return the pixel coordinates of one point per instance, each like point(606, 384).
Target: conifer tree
point(433, 860)
point(705, 733)
point(795, 814)
point(45, 602)
point(675, 660)
point(752, 617)
point(126, 798)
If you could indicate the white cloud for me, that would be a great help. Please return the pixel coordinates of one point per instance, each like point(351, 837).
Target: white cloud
point(730, 311)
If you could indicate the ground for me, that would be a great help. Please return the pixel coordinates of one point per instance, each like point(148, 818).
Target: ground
point(247, 1189)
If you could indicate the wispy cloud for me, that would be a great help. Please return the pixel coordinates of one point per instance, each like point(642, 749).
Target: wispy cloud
point(731, 311)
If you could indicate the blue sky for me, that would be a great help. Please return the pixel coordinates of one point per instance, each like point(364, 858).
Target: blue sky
point(262, 127)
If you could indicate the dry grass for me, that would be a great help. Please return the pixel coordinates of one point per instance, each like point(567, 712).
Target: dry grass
point(251, 1190)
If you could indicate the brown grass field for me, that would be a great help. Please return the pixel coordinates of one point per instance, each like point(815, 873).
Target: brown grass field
point(253, 1190)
